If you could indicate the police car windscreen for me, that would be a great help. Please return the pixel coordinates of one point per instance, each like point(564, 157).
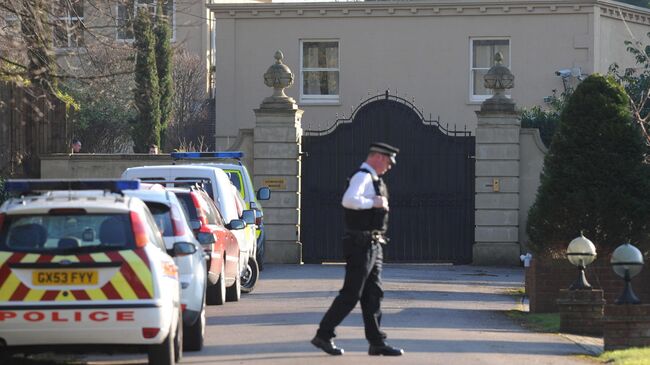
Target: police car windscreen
point(162, 215)
point(67, 233)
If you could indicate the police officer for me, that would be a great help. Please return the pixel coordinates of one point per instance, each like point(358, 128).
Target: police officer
point(365, 204)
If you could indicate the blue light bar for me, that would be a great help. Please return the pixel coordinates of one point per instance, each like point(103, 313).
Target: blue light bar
point(191, 155)
point(32, 185)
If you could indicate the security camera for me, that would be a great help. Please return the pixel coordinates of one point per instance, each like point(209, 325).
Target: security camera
point(564, 72)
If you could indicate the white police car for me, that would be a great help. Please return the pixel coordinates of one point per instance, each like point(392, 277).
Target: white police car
point(85, 271)
point(172, 223)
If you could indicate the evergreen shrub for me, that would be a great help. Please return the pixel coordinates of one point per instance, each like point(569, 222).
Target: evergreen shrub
point(594, 178)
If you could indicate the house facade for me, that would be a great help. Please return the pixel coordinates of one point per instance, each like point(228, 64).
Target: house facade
point(433, 53)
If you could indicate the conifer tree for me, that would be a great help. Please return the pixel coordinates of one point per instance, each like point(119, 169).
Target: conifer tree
point(164, 56)
point(594, 178)
point(146, 127)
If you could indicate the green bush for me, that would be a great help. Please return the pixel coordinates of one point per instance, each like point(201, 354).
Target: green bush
point(545, 120)
point(3, 193)
point(594, 178)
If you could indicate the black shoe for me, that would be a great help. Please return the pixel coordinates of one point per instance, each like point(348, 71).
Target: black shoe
point(327, 346)
point(385, 350)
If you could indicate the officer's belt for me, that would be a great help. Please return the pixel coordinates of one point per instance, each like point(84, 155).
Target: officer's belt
point(374, 235)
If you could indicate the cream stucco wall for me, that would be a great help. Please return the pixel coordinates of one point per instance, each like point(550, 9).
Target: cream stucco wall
point(412, 48)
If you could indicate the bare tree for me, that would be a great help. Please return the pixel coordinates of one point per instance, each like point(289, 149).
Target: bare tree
point(191, 106)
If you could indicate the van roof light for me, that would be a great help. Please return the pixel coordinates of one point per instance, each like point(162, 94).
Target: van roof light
point(31, 185)
point(196, 155)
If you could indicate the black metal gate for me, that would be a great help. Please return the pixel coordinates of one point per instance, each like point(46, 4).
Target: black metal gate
point(431, 187)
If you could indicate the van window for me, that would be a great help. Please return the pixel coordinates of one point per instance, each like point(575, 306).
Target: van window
point(236, 179)
point(154, 179)
point(207, 185)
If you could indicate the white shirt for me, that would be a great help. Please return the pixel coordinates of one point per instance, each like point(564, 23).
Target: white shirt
point(361, 191)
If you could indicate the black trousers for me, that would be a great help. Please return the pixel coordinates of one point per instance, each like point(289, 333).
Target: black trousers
point(364, 260)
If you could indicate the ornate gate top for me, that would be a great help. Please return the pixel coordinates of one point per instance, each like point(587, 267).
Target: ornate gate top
point(386, 96)
point(279, 77)
point(499, 79)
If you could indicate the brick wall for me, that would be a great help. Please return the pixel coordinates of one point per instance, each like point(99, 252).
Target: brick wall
point(545, 277)
point(626, 326)
point(581, 311)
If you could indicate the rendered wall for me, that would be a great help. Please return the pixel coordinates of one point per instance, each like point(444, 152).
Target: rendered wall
point(413, 51)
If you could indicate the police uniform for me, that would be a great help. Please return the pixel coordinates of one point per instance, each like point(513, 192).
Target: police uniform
point(365, 234)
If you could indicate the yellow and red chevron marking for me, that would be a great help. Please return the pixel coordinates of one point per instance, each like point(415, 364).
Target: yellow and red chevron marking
point(132, 281)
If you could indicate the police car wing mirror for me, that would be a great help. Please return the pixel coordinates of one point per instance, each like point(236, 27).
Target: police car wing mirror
point(249, 216)
point(195, 224)
point(236, 224)
point(205, 238)
point(183, 249)
point(258, 217)
point(264, 193)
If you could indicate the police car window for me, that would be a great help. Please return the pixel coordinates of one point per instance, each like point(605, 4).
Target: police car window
point(73, 233)
point(191, 181)
point(162, 215)
point(188, 206)
point(154, 234)
point(151, 179)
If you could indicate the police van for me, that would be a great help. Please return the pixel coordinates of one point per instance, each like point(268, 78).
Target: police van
point(231, 163)
point(220, 189)
point(83, 268)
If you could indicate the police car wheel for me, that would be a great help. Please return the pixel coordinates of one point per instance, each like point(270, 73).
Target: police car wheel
point(216, 294)
point(163, 353)
point(233, 292)
point(178, 339)
point(249, 276)
point(193, 335)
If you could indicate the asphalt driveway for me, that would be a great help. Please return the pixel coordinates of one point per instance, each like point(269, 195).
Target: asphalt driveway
point(440, 314)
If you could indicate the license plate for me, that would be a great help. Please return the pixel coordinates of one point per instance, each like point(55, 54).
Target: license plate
point(64, 277)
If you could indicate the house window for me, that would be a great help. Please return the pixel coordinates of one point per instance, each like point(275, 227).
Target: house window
point(127, 11)
point(319, 71)
point(482, 51)
point(68, 23)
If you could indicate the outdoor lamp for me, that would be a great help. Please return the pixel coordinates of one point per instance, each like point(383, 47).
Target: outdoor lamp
point(627, 262)
point(581, 252)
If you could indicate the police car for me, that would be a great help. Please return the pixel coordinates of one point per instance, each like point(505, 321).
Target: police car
point(169, 215)
point(85, 271)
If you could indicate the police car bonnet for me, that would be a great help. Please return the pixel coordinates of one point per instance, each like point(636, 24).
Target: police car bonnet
point(386, 149)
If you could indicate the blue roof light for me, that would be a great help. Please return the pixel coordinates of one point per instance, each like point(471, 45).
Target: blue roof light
point(30, 185)
point(191, 155)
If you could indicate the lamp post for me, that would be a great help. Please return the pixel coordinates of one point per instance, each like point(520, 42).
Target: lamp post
point(581, 252)
point(627, 262)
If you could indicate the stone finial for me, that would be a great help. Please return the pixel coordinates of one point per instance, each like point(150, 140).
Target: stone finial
point(279, 77)
point(499, 79)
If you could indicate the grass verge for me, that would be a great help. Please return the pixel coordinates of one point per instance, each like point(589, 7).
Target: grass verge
point(539, 322)
point(633, 356)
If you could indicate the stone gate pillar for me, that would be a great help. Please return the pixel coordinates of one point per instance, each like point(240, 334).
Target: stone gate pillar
point(497, 174)
point(276, 137)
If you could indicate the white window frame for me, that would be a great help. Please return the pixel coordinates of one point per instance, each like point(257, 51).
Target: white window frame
point(68, 20)
point(477, 98)
point(137, 5)
point(320, 99)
